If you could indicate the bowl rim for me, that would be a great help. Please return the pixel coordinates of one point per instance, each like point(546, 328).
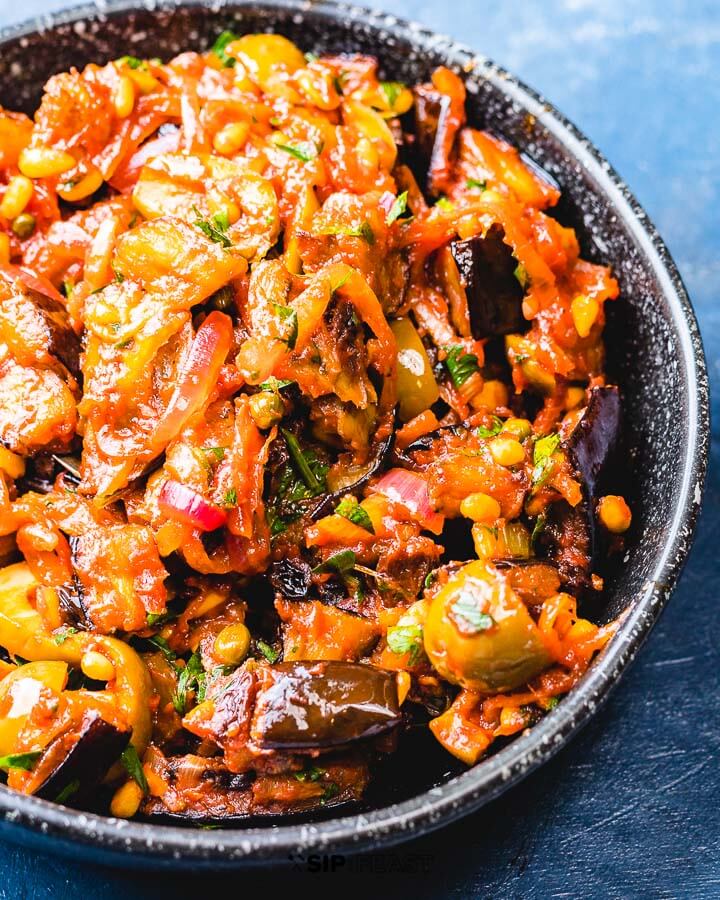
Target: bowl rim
point(117, 839)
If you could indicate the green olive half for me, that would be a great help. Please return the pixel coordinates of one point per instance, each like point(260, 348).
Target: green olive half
point(479, 634)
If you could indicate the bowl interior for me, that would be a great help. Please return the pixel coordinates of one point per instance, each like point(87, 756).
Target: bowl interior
point(653, 348)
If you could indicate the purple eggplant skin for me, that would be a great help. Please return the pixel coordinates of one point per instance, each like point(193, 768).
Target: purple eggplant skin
point(494, 294)
point(426, 441)
point(592, 450)
point(318, 705)
point(97, 748)
point(594, 441)
point(325, 505)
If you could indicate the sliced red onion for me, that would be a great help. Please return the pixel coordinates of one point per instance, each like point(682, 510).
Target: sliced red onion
point(183, 504)
point(411, 491)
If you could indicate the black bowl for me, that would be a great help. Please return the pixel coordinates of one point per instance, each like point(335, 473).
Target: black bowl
point(655, 354)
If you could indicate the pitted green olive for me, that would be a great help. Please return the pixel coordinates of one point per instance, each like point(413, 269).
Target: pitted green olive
point(479, 634)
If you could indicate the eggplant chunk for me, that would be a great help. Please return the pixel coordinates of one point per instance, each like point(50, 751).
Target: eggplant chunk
point(78, 762)
point(494, 295)
point(37, 331)
point(593, 442)
point(315, 705)
point(324, 505)
point(576, 542)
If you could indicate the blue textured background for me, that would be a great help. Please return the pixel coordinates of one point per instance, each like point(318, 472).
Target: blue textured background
point(632, 807)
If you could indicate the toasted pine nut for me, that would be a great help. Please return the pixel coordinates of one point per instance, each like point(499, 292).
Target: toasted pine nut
point(44, 162)
point(231, 138)
point(124, 97)
point(17, 196)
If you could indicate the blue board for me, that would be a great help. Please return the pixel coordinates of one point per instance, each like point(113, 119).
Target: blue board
point(632, 807)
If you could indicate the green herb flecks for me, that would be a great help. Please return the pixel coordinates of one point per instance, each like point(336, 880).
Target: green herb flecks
point(349, 508)
point(218, 453)
point(275, 384)
point(522, 276)
point(24, 761)
point(474, 184)
point(270, 654)
point(364, 231)
point(163, 646)
point(289, 321)
point(313, 773)
point(341, 562)
point(398, 208)
point(392, 90)
point(133, 766)
point(68, 791)
point(537, 529)
point(63, 635)
point(460, 365)
point(468, 617)
point(402, 639)
point(542, 458)
point(303, 463)
point(304, 151)
point(215, 228)
point(218, 48)
point(496, 428)
point(190, 678)
point(132, 62)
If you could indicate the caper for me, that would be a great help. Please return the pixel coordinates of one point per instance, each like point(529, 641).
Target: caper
point(24, 225)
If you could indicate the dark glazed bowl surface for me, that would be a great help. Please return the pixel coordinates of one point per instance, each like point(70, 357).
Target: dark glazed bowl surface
point(654, 353)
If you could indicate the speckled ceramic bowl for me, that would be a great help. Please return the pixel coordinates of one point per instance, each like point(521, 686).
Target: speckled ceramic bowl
point(655, 354)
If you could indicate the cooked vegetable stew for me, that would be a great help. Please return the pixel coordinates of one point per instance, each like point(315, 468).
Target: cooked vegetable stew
point(304, 434)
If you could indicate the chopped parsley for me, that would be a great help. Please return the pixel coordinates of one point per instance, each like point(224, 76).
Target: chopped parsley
point(408, 639)
point(301, 478)
point(542, 458)
point(363, 231)
point(398, 208)
point(314, 773)
point(217, 452)
point(275, 384)
point(537, 529)
point(214, 228)
point(460, 365)
point(270, 654)
point(218, 48)
point(341, 562)
point(392, 90)
point(68, 791)
point(473, 183)
point(467, 615)
point(349, 508)
point(303, 463)
point(304, 151)
point(63, 635)
point(289, 320)
point(496, 428)
point(132, 62)
point(230, 498)
point(190, 678)
point(133, 766)
point(163, 646)
point(521, 275)
point(23, 761)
